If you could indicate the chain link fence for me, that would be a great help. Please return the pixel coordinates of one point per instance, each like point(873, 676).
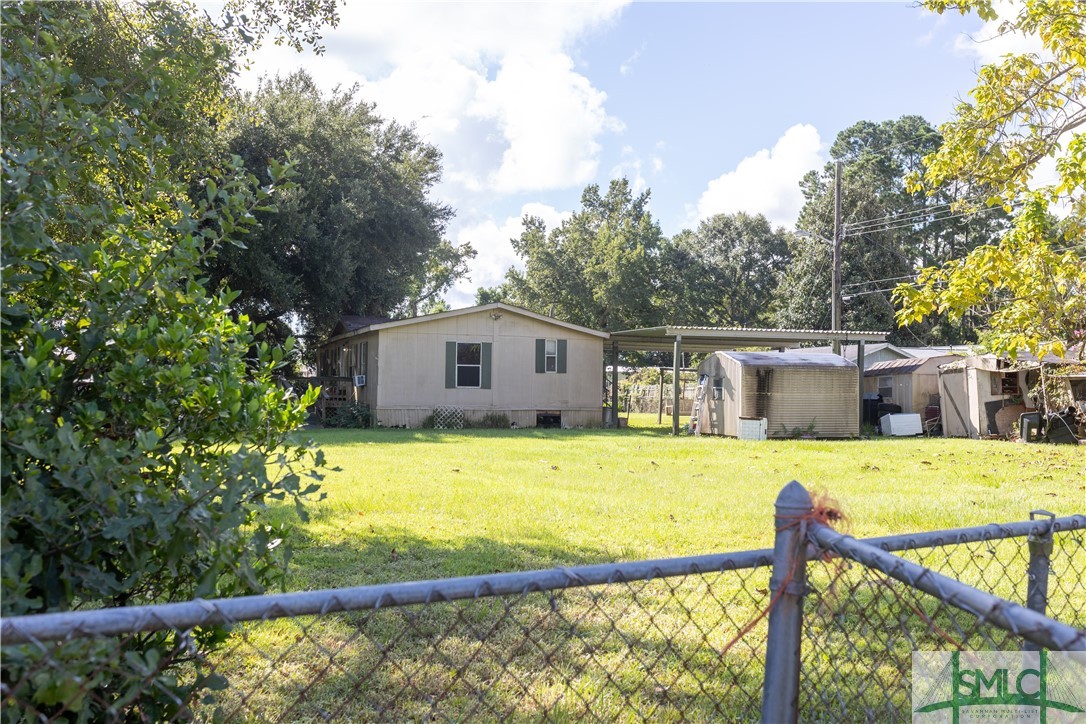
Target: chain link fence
point(642, 641)
point(861, 626)
point(676, 639)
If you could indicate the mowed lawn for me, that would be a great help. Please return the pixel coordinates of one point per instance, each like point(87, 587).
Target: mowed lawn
point(417, 504)
point(410, 504)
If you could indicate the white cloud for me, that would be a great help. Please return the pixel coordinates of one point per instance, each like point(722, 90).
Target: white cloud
point(627, 65)
point(989, 45)
point(630, 168)
point(550, 116)
point(495, 251)
point(938, 22)
point(657, 164)
point(1046, 173)
point(767, 182)
point(493, 85)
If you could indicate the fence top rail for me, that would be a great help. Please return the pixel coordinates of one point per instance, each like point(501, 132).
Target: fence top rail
point(992, 531)
point(189, 614)
point(1009, 616)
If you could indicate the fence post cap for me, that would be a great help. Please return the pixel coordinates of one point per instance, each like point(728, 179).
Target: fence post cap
point(793, 497)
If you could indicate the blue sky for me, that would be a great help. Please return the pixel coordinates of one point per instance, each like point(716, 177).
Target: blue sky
point(716, 107)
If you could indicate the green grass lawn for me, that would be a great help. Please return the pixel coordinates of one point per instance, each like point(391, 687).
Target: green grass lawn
point(460, 503)
point(413, 504)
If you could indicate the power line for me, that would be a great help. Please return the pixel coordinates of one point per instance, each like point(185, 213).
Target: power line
point(932, 220)
point(926, 211)
point(879, 242)
point(866, 224)
point(879, 281)
point(920, 216)
point(879, 293)
point(814, 283)
point(910, 277)
point(870, 291)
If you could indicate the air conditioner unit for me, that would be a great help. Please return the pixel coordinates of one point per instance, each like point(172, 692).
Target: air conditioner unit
point(359, 380)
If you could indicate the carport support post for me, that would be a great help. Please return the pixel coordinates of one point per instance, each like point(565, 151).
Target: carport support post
point(860, 368)
point(614, 384)
point(675, 365)
point(780, 696)
point(660, 406)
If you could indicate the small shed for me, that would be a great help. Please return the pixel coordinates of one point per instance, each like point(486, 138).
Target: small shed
point(911, 383)
point(985, 394)
point(816, 394)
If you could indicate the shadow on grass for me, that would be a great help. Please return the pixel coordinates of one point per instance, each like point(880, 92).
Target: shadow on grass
point(394, 556)
point(392, 436)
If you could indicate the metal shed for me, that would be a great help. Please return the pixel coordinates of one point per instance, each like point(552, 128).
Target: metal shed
point(815, 394)
point(679, 338)
point(911, 383)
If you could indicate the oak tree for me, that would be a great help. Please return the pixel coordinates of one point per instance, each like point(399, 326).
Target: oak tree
point(357, 234)
point(726, 272)
point(598, 268)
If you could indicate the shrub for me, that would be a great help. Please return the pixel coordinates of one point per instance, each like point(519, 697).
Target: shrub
point(491, 421)
point(143, 434)
point(353, 415)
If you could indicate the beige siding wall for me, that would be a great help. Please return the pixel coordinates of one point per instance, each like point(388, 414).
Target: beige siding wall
point(912, 390)
point(719, 411)
point(411, 361)
point(972, 391)
point(925, 385)
point(368, 394)
point(969, 418)
point(733, 397)
point(902, 386)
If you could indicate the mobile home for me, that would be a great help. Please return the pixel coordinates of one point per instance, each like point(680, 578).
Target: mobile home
point(494, 358)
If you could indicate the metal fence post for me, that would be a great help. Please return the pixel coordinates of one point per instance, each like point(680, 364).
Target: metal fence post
point(780, 696)
point(1040, 553)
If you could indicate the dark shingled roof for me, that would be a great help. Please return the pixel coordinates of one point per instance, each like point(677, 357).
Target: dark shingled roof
point(354, 322)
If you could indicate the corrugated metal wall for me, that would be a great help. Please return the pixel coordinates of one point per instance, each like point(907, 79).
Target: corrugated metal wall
point(820, 400)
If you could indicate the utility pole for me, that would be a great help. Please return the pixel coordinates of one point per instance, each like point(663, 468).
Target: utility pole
point(838, 237)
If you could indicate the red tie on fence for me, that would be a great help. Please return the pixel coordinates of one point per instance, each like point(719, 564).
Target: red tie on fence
point(826, 511)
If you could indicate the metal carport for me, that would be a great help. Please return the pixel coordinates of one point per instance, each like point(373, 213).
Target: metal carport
point(679, 339)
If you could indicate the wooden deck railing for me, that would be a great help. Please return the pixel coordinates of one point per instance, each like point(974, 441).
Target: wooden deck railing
point(335, 392)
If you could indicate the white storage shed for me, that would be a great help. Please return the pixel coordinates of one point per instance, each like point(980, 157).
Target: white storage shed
point(815, 394)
